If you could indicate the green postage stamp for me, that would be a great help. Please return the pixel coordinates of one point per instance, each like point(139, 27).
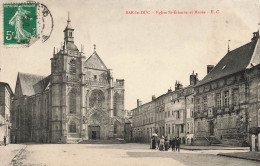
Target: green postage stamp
point(25, 23)
point(20, 23)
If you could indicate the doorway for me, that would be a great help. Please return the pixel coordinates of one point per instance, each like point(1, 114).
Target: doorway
point(94, 132)
point(211, 128)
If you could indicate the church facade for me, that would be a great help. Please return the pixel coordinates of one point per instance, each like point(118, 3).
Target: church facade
point(79, 100)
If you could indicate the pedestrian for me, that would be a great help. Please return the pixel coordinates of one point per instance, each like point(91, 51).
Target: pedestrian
point(178, 142)
point(153, 142)
point(161, 148)
point(166, 143)
point(170, 143)
point(173, 144)
point(5, 140)
point(158, 143)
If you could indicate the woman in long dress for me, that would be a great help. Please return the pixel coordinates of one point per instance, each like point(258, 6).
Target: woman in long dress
point(17, 20)
point(161, 148)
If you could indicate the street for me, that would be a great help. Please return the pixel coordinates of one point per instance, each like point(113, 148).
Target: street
point(121, 154)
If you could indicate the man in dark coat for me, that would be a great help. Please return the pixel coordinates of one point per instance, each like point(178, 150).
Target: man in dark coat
point(166, 143)
point(178, 142)
point(170, 143)
point(173, 144)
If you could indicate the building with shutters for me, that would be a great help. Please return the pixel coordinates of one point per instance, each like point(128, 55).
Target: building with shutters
point(226, 99)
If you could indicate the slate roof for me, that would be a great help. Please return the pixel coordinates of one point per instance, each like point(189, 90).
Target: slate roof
point(32, 84)
point(234, 61)
point(94, 61)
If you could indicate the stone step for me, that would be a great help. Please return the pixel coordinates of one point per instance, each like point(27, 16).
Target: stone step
point(99, 141)
point(73, 140)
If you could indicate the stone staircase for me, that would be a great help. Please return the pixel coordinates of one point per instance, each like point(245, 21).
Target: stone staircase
point(73, 140)
point(213, 140)
point(206, 141)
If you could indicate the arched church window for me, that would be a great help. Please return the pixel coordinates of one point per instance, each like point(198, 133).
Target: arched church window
point(97, 98)
point(72, 127)
point(73, 99)
point(72, 66)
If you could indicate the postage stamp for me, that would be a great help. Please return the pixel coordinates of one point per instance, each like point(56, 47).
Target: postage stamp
point(25, 23)
point(20, 23)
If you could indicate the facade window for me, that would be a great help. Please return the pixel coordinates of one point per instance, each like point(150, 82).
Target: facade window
point(178, 115)
point(191, 127)
point(172, 128)
point(73, 127)
point(198, 105)
point(168, 113)
point(226, 99)
point(182, 128)
point(235, 97)
point(169, 129)
point(95, 77)
point(188, 127)
point(191, 112)
point(205, 103)
point(219, 100)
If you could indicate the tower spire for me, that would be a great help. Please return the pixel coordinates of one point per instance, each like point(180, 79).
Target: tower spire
point(68, 17)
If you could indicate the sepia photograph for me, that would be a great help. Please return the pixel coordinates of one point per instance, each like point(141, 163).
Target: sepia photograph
point(129, 82)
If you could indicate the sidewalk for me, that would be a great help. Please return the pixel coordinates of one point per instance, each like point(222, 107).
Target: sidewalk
point(255, 156)
point(9, 152)
point(219, 147)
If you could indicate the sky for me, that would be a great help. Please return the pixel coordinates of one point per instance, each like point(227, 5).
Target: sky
point(149, 51)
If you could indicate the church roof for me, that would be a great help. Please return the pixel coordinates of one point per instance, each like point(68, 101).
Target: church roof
point(234, 61)
point(42, 85)
point(95, 62)
point(32, 84)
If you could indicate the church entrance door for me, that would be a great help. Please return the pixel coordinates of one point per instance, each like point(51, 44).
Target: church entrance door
point(94, 132)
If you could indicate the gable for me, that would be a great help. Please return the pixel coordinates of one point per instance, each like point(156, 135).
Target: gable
point(25, 83)
point(95, 62)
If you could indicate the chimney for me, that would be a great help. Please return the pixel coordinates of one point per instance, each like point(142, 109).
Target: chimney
point(170, 90)
point(139, 103)
point(153, 97)
point(209, 68)
point(193, 78)
point(255, 36)
point(178, 85)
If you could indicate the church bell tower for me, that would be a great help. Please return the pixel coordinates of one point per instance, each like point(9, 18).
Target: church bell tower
point(67, 90)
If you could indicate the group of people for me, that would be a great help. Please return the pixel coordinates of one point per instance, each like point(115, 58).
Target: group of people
point(164, 144)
